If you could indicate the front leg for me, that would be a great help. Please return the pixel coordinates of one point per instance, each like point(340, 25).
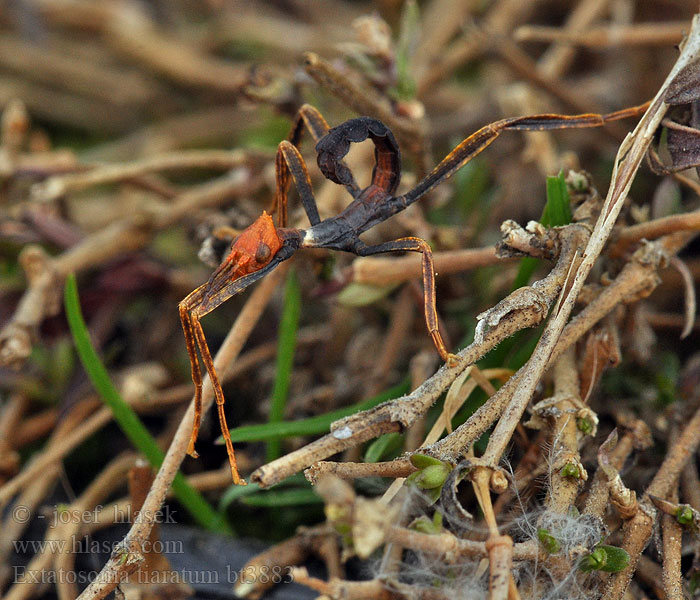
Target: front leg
point(194, 339)
point(414, 244)
point(185, 307)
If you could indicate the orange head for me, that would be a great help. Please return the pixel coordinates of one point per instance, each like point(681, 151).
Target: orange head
point(255, 247)
point(250, 252)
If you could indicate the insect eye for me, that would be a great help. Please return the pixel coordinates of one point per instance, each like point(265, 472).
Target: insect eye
point(263, 252)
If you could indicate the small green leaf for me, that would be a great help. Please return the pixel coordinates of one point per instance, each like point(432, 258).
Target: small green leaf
point(593, 561)
point(570, 470)
point(421, 461)
point(684, 515)
point(382, 446)
point(609, 559)
point(557, 210)
point(548, 541)
point(235, 492)
point(430, 477)
point(617, 559)
point(238, 492)
point(425, 525)
point(584, 425)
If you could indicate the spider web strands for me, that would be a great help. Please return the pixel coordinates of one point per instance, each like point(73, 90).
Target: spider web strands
point(481, 139)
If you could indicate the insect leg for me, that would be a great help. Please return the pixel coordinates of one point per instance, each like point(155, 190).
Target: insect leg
point(219, 394)
point(414, 244)
point(313, 120)
point(198, 304)
point(289, 161)
point(185, 308)
point(482, 138)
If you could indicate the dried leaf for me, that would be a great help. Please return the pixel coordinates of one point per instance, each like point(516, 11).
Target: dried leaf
point(685, 88)
point(450, 502)
point(683, 145)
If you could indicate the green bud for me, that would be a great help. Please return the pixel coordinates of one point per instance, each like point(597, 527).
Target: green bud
point(548, 541)
point(610, 559)
point(617, 559)
point(584, 426)
point(570, 470)
point(432, 477)
point(593, 561)
point(421, 461)
point(425, 525)
point(684, 515)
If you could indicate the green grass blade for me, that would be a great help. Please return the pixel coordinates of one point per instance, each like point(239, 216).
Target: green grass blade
point(405, 88)
point(527, 267)
point(285, 356)
point(556, 212)
point(235, 492)
point(238, 492)
point(281, 498)
point(516, 350)
point(312, 425)
point(125, 416)
point(382, 446)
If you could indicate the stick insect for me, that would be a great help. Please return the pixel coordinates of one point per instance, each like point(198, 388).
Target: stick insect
point(263, 246)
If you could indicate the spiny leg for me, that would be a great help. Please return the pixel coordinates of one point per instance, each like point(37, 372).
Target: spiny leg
point(414, 244)
point(221, 286)
point(219, 395)
point(482, 138)
point(309, 117)
point(289, 159)
point(186, 319)
point(290, 162)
